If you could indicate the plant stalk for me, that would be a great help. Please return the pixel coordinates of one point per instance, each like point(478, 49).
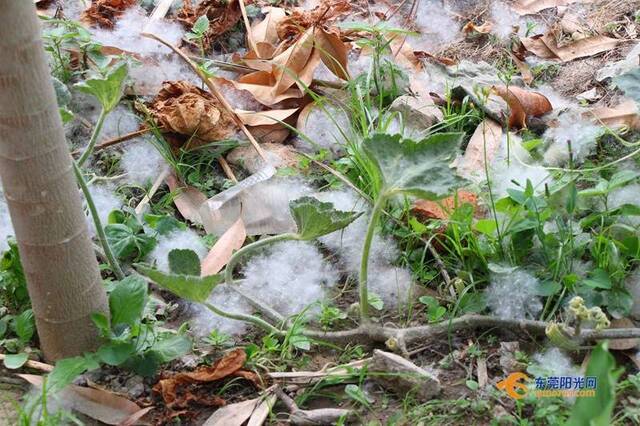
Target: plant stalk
point(94, 137)
point(246, 318)
point(364, 263)
point(113, 262)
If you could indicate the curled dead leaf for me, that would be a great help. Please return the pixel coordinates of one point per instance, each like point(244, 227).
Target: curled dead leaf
point(471, 28)
point(278, 155)
point(333, 52)
point(522, 104)
point(625, 114)
point(546, 46)
point(328, 11)
point(188, 110)
point(267, 30)
point(485, 141)
point(170, 388)
point(187, 199)
point(221, 252)
point(105, 12)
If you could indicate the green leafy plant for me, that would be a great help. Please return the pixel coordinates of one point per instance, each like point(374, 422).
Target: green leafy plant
point(198, 32)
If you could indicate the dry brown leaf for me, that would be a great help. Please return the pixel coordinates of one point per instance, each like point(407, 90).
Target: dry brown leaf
point(529, 7)
point(624, 115)
point(135, 417)
point(522, 104)
point(333, 52)
point(486, 138)
point(188, 110)
point(525, 71)
point(546, 46)
point(223, 15)
point(221, 252)
point(187, 199)
point(404, 54)
point(538, 47)
point(442, 209)
point(623, 344)
point(289, 64)
point(105, 12)
point(98, 404)
point(227, 366)
point(471, 28)
point(300, 20)
point(234, 414)
point(419, 54)
point(266, 31)
point(582, 48)
point(260, 85)
point(261, 118)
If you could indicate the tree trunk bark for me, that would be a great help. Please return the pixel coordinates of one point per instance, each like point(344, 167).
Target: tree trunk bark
point(44, 202)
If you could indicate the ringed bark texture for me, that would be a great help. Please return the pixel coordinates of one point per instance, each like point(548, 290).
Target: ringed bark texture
point(39, 184)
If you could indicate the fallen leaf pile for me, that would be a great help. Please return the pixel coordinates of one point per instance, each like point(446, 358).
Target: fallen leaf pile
point(105, 12)
point(223, 15)
point(547, 46)
point(182, 389)
point(286, 50)
point(187, 110)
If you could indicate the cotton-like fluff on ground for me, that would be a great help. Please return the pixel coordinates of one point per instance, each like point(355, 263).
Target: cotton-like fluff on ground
point(626, 195)
point(437, 26)
point(6, 228)
point(555, 363)
point(571, 127)
point(141, 162)
point(125, 34)
point(119, 122)
point(289, 276)
point(515, 165)
point(105, 200)
point(203, 321)
point(512, 294)
point(393, 284)
point(503, 20)
point(181, 239)
point(325, 126)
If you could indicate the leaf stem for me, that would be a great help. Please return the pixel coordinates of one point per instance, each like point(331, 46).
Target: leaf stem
point(94, 137)
point(364, 263)
point(115, 266)
point(247, 318)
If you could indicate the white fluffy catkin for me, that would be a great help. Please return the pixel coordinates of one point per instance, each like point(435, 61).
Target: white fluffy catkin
point(289, 276)
point(181, 239)
point(512, 295)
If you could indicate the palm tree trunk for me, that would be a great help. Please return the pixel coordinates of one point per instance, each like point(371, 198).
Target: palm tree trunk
point(39, 184)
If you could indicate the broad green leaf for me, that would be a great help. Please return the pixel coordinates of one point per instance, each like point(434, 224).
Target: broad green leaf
point(25, 326)
point(300, 341)
point(629, 83)
point(598, 278)
point(125, 242)
point(315, 218)
point(164, 225)
point(189, 287)
point(422, 169)
point(621, 178)
point(66, 370)
point(107, 89)
point(354, 392)
point(375, 301)
point(102, 322)
point(201, 25)
point(127, 300)
point(116, 353)
point(13, 361)
point(146, 365)
point(472, 303)
point(548, 288)
point(184, 262)
point(171, 347)
point(597, 410)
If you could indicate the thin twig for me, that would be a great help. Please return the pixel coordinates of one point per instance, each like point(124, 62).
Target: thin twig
point(36, 365)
